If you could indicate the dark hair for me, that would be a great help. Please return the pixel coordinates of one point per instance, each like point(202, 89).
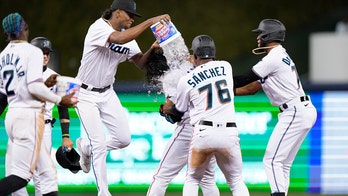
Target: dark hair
point(107, 13)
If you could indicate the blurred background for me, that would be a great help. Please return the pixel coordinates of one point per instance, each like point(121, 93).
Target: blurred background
point(229, 22)
point(317, 48)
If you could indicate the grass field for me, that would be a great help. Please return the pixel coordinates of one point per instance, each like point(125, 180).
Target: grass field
point(90, 190)
point(179, 194)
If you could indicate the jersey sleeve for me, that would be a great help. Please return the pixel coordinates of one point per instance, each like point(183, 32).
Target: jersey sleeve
point(34, 72)
point(99, 33)
point(134, 49)
point(264, 67)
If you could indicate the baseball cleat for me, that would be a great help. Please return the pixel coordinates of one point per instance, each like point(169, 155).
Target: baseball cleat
point(85, 161)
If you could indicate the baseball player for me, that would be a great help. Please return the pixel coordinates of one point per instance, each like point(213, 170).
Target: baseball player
point(175, 154)
point(45, 45)
point(21, 78)
point(207, 92)
point(276, 74)
point(109, 41)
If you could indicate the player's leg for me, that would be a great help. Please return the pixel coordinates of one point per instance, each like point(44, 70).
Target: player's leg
point(47, 172)
point(23, 191)
point(198, 160)
point(197, 164)
point(115, 119)
point(45, 167)
point(89, 114)
point(26, 137)
point(173, 160)
point(229, 160)
point(282, 141)
point(208, 184)
point(47, 143)
point(294, 138)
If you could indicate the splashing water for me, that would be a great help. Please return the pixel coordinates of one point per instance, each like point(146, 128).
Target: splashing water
point(177, 55)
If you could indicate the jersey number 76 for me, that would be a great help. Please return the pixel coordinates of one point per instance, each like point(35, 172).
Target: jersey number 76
point(223, 94)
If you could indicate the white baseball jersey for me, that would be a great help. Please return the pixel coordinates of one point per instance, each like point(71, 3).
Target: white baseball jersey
point(100, 58)
point(283, 87)
point(21, 66)
point(208, 90)
point(282, 83)
point(213, 101)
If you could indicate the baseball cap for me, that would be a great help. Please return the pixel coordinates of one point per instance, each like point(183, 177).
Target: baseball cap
point(126, 5)
point(13, 23)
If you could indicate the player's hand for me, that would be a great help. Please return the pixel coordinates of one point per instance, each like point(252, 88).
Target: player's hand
point(67, 101)
point(155, 45)
point(51, 81)
point(167, 106)
point(67, 144)
point(165, 18)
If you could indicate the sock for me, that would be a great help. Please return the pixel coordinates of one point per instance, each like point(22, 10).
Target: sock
point(11, 184)
point(278, 194)
point(54, 193)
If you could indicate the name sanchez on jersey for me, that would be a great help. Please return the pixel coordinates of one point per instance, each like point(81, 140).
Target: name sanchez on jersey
point(206, 74)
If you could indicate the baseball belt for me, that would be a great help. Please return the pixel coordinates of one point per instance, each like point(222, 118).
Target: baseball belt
point(285, 106)
point(210, 123)
point(100, 90)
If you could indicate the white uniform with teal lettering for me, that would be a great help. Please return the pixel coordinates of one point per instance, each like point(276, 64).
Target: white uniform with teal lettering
point(47, 141)
point(98, 110)
point(208, 90)
point(21, 64)
point(282, 86)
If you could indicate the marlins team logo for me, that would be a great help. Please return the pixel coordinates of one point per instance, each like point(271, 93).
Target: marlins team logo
point(46, 44)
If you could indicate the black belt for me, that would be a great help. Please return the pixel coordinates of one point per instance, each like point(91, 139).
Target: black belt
point(100, 90)
point(210, 123)
point(48, 121)
point(285, 106)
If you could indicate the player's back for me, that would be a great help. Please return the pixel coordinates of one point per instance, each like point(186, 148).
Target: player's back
point(21, 64)
point(210, 88)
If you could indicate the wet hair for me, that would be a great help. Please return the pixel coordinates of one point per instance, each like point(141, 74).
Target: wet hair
point(156, 66)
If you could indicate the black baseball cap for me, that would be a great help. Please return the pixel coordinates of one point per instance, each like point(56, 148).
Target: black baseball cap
point(126, 5)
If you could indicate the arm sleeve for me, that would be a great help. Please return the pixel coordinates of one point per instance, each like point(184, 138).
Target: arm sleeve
point(242, 80)
point(63, 112)
point(39, 90)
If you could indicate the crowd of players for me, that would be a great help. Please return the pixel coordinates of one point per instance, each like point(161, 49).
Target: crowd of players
point(203, 107)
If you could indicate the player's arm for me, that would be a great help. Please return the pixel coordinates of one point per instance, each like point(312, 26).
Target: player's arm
point(64, 117)
point(140, 59)
point(249, 89)
point(122, 37)
point(244, 79)
point(39, 90)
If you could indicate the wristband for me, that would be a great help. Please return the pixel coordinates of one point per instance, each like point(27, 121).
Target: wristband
point(65, 129)
point(65, 136)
